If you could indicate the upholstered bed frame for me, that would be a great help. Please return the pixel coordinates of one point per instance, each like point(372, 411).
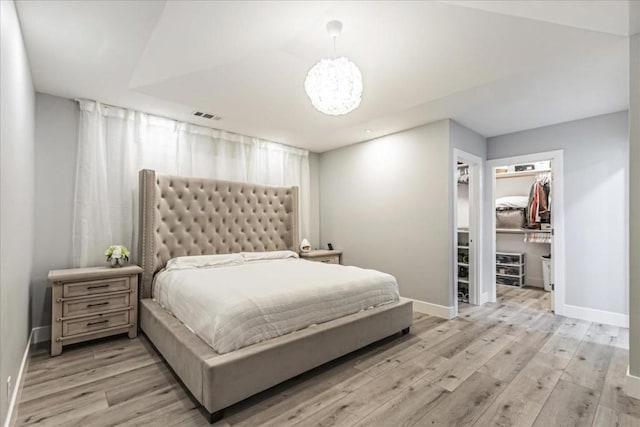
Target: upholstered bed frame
point(182, 216)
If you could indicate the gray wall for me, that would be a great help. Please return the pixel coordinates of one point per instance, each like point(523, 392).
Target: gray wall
point(314, 172)
point(384, 202)
point(634, 250)
point(468, 141)
point(596, 165)
point(55, 160)
point(16, 203)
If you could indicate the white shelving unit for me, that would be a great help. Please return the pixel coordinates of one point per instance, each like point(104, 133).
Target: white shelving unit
point(522, 173)
point(462, 265)
point(510, 269)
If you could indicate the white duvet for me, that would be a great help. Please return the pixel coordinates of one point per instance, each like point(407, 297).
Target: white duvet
point(237, 300)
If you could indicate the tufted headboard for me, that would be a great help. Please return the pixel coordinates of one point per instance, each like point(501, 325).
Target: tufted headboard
point(181, 216)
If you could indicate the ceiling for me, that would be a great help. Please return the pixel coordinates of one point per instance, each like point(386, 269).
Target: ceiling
point(493, 66)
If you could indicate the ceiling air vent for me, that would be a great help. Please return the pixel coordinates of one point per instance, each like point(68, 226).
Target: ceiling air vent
point(206, 115)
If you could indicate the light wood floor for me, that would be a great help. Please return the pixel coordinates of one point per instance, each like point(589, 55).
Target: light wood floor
point(509, 363)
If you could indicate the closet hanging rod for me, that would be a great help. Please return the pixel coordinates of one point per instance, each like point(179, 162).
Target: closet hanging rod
point(521, 231)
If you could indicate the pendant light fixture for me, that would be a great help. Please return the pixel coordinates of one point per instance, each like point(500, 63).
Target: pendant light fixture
point(334, 85)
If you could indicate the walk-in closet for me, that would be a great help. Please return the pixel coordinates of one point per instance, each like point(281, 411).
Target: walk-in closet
point(524, 225)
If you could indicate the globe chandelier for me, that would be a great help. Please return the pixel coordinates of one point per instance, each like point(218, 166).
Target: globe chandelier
point(334, 85)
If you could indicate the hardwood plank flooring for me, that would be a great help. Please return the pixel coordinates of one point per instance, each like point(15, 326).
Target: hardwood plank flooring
point(511, 363)
point(606, 417)
point(466, 403)
point(510, 410)
point(406, 408)
point(568, 405)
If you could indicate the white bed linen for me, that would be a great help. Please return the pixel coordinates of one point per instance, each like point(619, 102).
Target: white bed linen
point(235, 305)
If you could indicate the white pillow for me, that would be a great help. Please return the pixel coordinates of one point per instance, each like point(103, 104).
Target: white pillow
point(265, 256)
point(203, 261)
point(514, 202)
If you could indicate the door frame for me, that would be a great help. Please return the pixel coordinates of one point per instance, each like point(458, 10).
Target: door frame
point(476, 187)
point(557, 220)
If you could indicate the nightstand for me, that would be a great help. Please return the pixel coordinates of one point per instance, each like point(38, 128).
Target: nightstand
point(95, 302)
point(323, 255)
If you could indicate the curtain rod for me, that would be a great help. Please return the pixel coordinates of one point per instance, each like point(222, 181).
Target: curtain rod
point(126, 108)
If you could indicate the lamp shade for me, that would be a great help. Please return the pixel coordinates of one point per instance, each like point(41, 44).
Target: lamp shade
point(334, 86)
point(305, 246)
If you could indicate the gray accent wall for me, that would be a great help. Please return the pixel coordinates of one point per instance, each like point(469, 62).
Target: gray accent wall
point(16, 201)
point(386, 203)
point(56, 144)
point(596, 188)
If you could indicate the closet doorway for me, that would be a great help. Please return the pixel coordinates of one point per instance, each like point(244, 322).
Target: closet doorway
point(528, 225)
point(467, 236)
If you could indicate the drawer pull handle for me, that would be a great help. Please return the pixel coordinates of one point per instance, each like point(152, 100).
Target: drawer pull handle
point(99, 322)
point(98, 286)
point(97, 304)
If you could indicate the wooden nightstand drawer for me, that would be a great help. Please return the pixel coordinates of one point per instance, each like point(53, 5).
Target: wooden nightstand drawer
point(95, 287)
point(95, 323)
point(94, 304)
point(323, 255)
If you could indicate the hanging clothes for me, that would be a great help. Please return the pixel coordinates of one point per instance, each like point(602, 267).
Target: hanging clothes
point(538, 210)
point(463, 174)
point(542, 207)
point(533, 205)
point(537, 238)
point(545, 185)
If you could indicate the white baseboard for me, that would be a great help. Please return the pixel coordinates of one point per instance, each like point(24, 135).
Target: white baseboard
point(17, 385)
point(484, 298)
point(594, 315)
point(433, 309)
point(632, 386)
point(41, 334)
point(534, 282)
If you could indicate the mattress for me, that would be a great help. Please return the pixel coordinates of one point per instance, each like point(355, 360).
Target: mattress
point(246, 299)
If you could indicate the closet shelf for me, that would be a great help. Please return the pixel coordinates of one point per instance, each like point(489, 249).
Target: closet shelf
point(523, 173)
point(511, 275)
point(520, 231)
point(463, 252)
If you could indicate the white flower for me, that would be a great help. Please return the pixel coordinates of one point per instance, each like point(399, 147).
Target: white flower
point(117, 253)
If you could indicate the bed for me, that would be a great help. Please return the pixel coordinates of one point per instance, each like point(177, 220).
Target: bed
point(187, 217)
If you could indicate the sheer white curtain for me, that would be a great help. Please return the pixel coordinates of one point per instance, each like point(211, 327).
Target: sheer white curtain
point(115, 143)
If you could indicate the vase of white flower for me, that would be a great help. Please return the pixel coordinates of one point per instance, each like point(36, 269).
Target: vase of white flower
point(117, 255)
